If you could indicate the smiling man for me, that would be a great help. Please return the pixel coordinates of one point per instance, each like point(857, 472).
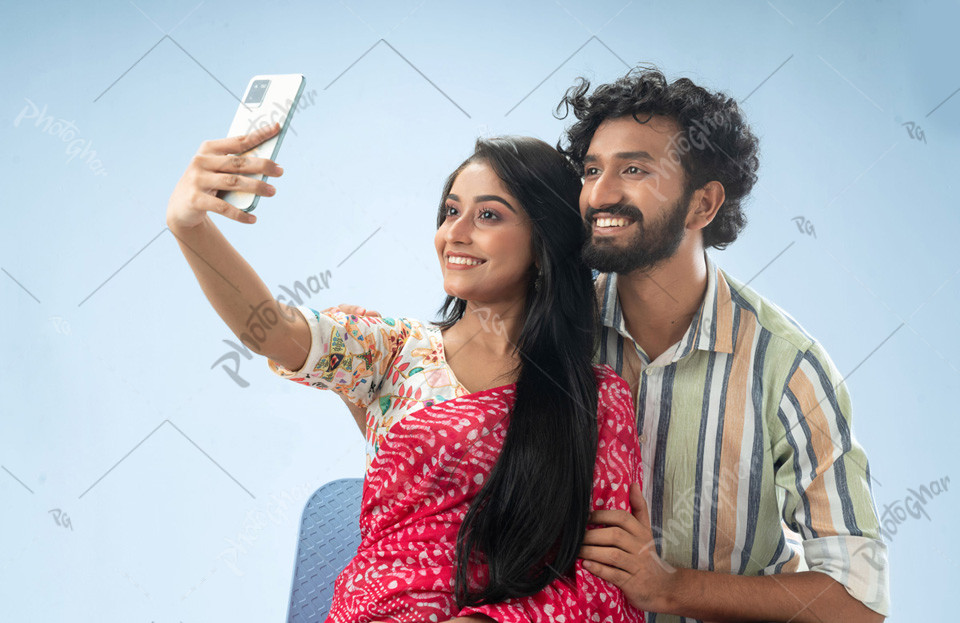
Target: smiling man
point(756, 502)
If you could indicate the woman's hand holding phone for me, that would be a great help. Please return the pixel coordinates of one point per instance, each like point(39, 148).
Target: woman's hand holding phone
point(219, 166)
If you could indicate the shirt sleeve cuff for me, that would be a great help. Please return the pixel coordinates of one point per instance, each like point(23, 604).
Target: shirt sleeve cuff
point(858, 563)
point(312, 357)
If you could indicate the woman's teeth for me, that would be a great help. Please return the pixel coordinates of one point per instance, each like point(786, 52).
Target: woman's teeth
point(612, 222)
point(467, 261)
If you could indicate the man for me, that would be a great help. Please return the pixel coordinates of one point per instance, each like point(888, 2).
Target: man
point(744, 421)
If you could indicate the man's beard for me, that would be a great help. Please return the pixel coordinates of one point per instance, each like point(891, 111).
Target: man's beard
point(649, 245)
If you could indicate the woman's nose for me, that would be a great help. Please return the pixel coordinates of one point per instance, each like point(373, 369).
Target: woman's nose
point(460, 229)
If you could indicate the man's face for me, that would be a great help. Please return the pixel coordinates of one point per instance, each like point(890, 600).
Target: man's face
point(633, 201)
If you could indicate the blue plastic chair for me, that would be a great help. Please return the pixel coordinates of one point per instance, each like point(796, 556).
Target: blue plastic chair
point(329, 538)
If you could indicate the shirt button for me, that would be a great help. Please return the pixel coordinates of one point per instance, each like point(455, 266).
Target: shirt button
point(643, 439)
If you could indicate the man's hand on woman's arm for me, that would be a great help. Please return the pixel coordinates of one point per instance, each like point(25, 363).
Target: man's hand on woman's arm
point(355, 310)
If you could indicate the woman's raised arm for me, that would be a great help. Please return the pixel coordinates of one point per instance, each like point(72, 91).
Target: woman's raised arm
point(230, 284)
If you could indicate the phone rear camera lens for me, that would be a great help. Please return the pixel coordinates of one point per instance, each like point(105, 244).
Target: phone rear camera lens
point(257, 91)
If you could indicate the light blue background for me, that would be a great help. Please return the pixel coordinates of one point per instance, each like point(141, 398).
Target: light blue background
point(183, 488)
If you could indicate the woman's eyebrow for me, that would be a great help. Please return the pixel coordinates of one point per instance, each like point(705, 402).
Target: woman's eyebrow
point(496, 198)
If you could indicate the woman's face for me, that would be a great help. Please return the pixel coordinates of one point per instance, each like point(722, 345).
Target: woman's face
point(485, 240)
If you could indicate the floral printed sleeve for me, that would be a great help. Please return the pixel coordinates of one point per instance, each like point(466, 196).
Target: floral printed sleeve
point(348, 354)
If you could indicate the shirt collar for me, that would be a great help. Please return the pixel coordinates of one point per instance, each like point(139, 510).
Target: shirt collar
point(712, 325)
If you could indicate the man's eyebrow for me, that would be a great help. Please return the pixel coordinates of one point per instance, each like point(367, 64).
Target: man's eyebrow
point(623, 155)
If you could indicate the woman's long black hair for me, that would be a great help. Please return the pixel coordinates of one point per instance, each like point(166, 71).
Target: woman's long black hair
point(528, 520)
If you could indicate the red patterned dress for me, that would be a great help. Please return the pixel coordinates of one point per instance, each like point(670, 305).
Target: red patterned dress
point(431, 462)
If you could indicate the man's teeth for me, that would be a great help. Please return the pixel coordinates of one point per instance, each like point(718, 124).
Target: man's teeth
point(612, 222)
point(455, 259)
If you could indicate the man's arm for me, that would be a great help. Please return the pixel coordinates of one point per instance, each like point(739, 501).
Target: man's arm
point(825, 478)
point(624, 554)
point(804, 596)
point(824, 475)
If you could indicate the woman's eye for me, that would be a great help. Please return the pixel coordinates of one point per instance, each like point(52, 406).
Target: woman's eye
point(488, 214)
point(450, 210)
point(591, 171)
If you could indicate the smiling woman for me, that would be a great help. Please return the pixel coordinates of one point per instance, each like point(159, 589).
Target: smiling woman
point(487, 450)
point(483, 242)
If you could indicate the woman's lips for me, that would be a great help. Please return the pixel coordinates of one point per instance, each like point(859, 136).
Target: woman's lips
point(463, 262)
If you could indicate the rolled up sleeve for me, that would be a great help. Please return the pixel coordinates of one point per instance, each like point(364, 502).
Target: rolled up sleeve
point(825, 477)
point(858, 563)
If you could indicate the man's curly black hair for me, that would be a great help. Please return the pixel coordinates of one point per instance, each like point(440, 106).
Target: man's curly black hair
point(715, 142)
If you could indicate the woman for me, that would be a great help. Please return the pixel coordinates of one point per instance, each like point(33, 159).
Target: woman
point(490, 435)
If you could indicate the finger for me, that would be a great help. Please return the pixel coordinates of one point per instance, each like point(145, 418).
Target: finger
point(351, 310)
point(612, 557)
point(612, 537)
point(615, 576)
point(639, 504)
point(239, 144)
point(238, 164)
point(210, 203)
point(621, 519)
point(356, 310)
point(234, 182)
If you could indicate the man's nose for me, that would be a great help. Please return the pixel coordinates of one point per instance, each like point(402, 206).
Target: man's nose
point(604, 192)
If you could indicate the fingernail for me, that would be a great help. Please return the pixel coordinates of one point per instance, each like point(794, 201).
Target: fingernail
point(280, 170)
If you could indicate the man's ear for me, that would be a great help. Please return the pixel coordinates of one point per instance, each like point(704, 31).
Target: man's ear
point(705, 204)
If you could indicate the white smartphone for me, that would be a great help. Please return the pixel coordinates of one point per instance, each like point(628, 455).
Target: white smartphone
point(267, 100)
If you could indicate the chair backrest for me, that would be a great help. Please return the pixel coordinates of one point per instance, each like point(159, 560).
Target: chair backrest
point(329, 538)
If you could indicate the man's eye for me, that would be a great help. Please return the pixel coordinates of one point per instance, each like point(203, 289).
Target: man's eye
point(591, 171)
point(635, 170)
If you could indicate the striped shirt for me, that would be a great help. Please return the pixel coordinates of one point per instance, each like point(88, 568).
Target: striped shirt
point(749, 460)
